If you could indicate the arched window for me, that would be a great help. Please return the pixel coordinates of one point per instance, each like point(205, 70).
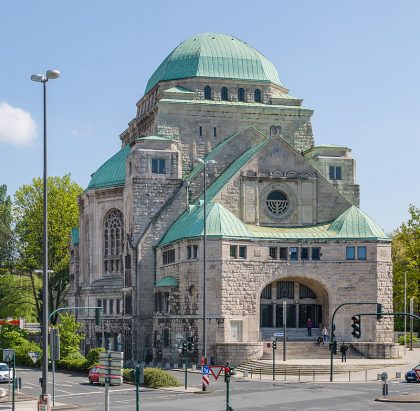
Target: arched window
point(207, 93)
point(113, 238)
point(257, 95)
point(241, 94)
point(224, 94)
point(278, 130)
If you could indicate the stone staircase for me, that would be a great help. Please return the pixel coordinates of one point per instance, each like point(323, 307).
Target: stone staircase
point(293, 334)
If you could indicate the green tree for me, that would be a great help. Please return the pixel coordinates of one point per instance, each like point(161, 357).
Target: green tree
point(406, 259)
point(5, 227)
point(62, 217)
point(70, 335)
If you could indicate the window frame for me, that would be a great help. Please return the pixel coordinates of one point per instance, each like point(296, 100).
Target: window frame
point(335, 172)
point(241, 94)
point(168, 256)
point(242, 252)
point(316, 253)
point(157, 166)
point(304, 250)
point(270, 249)
point(207, 93)
point(283, 252)
point(348, 249)
point(258, 95)
point(233, 251)
point(295, 252)
point(359, 248)
point(224, 94)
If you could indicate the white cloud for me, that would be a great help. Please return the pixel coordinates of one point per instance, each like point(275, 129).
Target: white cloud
point(16, 125)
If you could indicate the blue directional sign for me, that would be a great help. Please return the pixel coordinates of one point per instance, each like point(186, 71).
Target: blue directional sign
point(205, 369)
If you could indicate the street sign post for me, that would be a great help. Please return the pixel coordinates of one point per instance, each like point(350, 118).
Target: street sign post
point(110, 371)
point(34, 355)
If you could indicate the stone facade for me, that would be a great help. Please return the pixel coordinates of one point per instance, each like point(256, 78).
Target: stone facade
point(279, 211)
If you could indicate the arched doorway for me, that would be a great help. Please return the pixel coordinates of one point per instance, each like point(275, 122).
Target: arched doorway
point(303, 301)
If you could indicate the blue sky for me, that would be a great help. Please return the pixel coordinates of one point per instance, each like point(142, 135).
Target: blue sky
point(355, 63)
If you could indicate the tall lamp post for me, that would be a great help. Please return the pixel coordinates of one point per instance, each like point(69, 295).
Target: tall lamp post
point(43, 78)
point(205, 162)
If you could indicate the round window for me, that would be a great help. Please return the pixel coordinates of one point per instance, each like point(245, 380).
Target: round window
point(277, 202)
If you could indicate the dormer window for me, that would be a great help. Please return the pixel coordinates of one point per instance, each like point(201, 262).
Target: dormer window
point(335, 173)
point(158, 166)
point(207, 93)
point(241, 94)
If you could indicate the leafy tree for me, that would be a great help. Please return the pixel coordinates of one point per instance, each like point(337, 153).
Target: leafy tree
point(70, 335)
point(62, 216)
point(406, 259)
point(5, 227)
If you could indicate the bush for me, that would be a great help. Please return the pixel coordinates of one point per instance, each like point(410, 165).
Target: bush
point(22, 356)
point(93, 356)
point(155, 378)
point(75, 356)
point(128, 374)
point(74, 364)
point(407, 339)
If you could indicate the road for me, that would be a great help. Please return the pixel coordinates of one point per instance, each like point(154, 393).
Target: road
point(245, 395)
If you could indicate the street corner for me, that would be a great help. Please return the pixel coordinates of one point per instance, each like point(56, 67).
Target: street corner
point(405, 398)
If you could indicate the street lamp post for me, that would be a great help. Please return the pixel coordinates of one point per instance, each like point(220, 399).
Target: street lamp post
point(205, 162)
point(41, 78)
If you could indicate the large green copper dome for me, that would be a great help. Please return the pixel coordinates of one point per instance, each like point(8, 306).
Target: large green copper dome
point(215, 55)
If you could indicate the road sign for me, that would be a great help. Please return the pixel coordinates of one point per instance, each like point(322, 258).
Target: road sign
point(8, 354)
point(205, 369)
point(35, 356)
point(384, 376)
point(216, 370)
point(280, 334)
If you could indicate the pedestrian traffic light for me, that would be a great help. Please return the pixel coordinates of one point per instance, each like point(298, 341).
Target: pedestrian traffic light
point(227, 374)
point(190, 346)
point(98, 316)
point(356, 326)
point(334, 347)
point(274, 345)
point(378, 311)
point(55, 344)
point(184, 347)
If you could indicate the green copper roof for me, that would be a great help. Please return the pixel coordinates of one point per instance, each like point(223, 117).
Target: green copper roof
point(167, 282)
point(353, 224)
point(214, 55)
point(112, 172)
point(75, 236)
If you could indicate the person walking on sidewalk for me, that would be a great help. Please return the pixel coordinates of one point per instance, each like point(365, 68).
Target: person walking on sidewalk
point(343, 350)
point(324, 334)
point(309, 326)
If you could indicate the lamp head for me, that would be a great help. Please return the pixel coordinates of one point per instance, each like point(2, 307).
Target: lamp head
point(37, 77)
point(53, 74)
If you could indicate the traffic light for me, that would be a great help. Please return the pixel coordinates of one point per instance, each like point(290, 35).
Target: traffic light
point(55, 344)
point(333, 347)
point(190, 346)
point(356, 326)
point(378, 311)
point(274, 345)
point(227, 374)
point(98, 316)
point(184, 347)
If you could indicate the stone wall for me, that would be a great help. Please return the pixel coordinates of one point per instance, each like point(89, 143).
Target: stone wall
point(379, 350)
point(237, 353)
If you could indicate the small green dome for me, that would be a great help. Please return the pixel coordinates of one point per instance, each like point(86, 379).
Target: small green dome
point(215, 55)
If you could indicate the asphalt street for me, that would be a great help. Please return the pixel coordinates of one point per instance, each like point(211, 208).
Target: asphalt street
point(245, 394)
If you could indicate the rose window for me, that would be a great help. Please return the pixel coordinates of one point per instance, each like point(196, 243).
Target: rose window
point(277, 202)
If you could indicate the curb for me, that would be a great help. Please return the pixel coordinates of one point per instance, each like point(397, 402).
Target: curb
point(3, 392)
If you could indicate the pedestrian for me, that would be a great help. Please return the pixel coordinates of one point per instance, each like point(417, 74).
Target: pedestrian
point(319, 340)
point(309, 326)
point(324, 334)
point(343, 350)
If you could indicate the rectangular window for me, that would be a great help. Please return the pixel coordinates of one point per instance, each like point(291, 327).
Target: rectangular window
point(105, 306)
point(168, 256)
point(128, 304)
point(304, 254)
point(234, 251)
point(111, 306)
point(118, 307)
point(99, 302)
point(316, 253)
point(350, 255)
point(273, 253)
point(285, 289)
point(293, 253)
point(335, 173)
point(158, 166)
point(201, 131)
point(214, 132)
point(283, 253)
point(128, 262)
point(242, 251)
point(192, 252)
point(361, 253)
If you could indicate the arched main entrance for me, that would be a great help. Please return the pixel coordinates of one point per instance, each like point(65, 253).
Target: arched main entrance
point(303, 301)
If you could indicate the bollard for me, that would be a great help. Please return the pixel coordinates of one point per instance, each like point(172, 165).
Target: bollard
point(251, 372)
point(260, 373)
point(349, 375)
point(365, 375)
point(313, 375)
point(299, 374)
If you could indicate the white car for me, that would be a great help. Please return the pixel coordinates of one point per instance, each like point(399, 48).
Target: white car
point(4, 373)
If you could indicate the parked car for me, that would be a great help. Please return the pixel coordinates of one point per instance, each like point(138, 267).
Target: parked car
point(411, 376)
point(94, 375)
point(4, 372)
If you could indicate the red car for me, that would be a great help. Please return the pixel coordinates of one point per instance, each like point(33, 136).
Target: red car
point(94, 375)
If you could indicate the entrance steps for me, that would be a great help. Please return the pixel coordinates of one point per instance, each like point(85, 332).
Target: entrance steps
point(296, 350)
